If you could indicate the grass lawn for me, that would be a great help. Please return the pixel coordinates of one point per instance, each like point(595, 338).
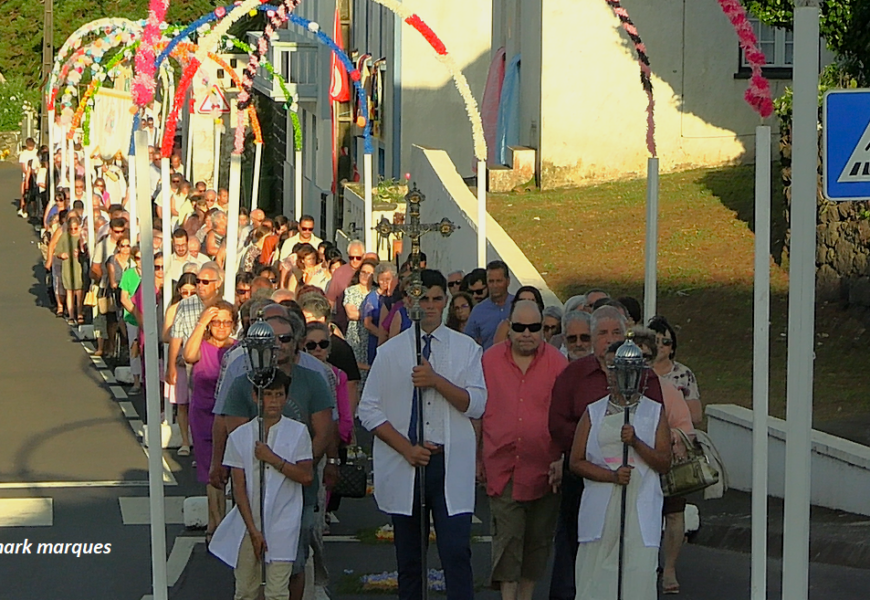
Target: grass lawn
point(594, 237)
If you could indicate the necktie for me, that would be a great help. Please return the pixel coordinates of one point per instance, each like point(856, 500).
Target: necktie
point(412, 431)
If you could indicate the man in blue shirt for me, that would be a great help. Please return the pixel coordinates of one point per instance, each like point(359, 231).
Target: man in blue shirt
point(486, 316)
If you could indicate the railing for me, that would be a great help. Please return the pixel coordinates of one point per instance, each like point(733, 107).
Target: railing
point(296, 61)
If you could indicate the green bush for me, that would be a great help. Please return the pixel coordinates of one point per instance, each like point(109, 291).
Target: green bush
point(13, 95)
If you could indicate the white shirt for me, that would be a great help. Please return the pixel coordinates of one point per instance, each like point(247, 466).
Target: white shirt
point(283, 496)
point(287, 246)
point(175, 269)
point(388, 395)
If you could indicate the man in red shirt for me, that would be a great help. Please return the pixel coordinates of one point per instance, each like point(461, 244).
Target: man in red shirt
point(341, 279)
point(521, 464)
point(581, 383)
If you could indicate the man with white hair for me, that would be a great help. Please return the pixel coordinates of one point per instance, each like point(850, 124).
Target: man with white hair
point(454, 280)
point(577, 336)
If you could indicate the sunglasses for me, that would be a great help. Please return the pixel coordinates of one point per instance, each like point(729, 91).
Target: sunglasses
point(225, 323)
point(243, 292)
point(118, 231)
point(480, 292)
point(158, 267)
point(123, 245)
point(551, 327)
point(451, 284)
point(665, 341)
point(306, 229)
point(205, 281)
point(521, 327)
point(354, 257)
point(322, 344)
point(583, 337)
point(286, 338)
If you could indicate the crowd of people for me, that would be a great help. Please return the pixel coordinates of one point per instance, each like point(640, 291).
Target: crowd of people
point(524, 387)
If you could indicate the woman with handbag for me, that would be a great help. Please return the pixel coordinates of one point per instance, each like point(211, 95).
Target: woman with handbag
point(597, 456)
point(684, 381)
point(68, 248)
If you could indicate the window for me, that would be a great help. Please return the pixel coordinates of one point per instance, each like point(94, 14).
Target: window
point(776, 43)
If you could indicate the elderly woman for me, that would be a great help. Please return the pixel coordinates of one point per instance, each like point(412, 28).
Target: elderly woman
point(67, 249)
point(373, 309)
point(552, 323)
point(574, 303)
point(684, 381)
point(596, 455)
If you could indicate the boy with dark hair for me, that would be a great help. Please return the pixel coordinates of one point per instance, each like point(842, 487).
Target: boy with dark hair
point(245, 537)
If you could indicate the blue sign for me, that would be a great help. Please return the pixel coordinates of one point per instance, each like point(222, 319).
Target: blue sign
point(846, 145)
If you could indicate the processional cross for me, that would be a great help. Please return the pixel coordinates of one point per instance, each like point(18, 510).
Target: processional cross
point(413, 229)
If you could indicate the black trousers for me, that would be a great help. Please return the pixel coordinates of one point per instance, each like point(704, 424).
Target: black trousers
point(565, 547)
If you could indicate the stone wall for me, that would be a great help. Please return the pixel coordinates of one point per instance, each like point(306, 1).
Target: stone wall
point(842, 243)
point(9, 140)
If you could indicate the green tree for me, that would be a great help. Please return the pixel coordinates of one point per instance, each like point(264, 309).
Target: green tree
point(845, 25)
point(22, 33)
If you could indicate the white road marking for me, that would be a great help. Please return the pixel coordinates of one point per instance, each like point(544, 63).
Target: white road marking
point(98, 362)
point(42, 485)
point(107, 376)
point(137, 426)
point(129, 410)
point(341, 538)
point(118, 392)
point(168, 477)
point(26, 512)
point(182, 548)
point(475, 520)
point(136, 511)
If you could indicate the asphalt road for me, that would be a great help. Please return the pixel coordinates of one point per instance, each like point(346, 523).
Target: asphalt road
point(69, 461)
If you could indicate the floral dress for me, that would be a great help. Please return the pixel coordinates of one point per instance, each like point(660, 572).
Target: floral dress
point(357, 334)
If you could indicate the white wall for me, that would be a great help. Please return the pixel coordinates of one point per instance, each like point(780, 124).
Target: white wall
point(592, 105)
point(448, 196)
point(840, 468)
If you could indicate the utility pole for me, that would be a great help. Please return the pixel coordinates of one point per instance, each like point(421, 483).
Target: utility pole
point(47, 63)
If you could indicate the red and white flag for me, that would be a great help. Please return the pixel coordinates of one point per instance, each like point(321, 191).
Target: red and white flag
point(339, 90)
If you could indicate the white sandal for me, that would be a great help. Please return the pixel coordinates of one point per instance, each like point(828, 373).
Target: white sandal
point(184, 451)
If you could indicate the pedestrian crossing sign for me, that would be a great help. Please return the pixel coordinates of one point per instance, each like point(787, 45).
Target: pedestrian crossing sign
point(846, 141)
point(214, 100)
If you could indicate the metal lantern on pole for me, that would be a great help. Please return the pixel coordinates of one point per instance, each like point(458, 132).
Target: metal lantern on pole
point(628, 366)
point(261, 349)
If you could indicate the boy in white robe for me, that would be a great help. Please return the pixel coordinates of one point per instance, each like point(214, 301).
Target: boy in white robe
point(240, 541)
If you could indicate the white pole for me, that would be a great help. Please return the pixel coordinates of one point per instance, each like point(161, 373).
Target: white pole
point(63, 160)
point(481, 213)
point(51, 168)
point(761, 363)
point(801, 303)
point(152, 382)
point(89, 203)
point(166, 227)
point(71, 163)
point(258, 161)
point(188, 165)
point(132, 204)
point(218, 131)
point(297, 177)
point(367, 220)
point(232, 239)
point(650, 280)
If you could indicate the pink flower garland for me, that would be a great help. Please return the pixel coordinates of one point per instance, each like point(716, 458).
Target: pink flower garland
point(645, 71)
point(758, 96)
point(144, 84)
point(243, 98)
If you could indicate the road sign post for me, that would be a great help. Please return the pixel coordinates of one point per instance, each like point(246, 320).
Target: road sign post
point(846, 140)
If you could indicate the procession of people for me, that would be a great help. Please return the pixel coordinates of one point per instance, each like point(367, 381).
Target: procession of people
point(527, 389)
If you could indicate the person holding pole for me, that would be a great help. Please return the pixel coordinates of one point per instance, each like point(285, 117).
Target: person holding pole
point(622, 445)
point(239, 540)
point(450, 379)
